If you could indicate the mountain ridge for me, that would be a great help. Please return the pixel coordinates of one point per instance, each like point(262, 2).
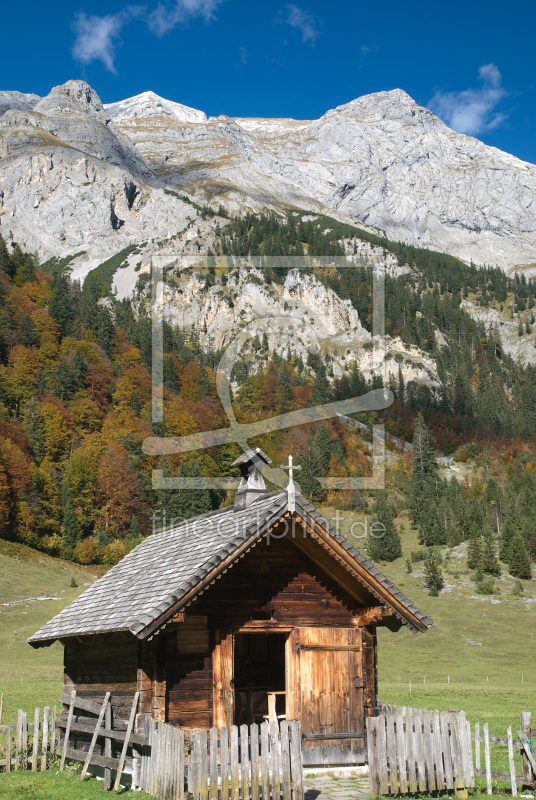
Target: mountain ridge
point(380, 161)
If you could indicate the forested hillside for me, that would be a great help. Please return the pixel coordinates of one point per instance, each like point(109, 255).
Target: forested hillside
point(75, 394)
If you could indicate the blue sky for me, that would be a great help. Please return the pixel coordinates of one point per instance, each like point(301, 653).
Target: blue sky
point(470, 62)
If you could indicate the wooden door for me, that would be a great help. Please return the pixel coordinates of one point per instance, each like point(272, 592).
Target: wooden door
point(325, 692)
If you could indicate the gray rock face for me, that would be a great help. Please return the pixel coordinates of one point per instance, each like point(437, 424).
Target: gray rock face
point(79, 175)
point(71, 181)
point(17, 100)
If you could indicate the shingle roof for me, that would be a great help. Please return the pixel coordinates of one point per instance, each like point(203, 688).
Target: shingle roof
point(158, 573)
point(249, 455)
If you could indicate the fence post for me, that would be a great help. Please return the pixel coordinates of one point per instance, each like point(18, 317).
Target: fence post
point(296, 767)
point(44, 743)
point(53, 731)
point(18, 739)
point(107, 746)
point(68, 730)
point(487, 758)
point(525, 734)
point(24, 740)
point(35, 741)
point(511, 761)
point(8, 751)
point(477, 745)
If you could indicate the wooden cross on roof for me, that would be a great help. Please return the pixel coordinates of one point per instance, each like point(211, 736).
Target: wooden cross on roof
point(291, 489)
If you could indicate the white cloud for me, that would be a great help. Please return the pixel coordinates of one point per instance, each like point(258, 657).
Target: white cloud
point(165, 17)
point(96, 38)
point(302, 20)
point(472, 111)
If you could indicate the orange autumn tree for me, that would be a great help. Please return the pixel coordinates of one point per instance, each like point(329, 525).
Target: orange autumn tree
point(119, 494)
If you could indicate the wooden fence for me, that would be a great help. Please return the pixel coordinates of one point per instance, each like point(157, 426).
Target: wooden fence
point(410, 750)
point(247, 763)
point(29, 745)
point(528, 762)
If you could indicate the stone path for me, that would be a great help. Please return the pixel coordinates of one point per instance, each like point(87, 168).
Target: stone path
point(332, 787)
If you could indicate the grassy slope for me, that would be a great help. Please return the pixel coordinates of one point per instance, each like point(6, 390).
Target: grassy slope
point(31, 677)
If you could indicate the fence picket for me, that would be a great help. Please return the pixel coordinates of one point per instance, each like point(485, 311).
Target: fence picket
point(296, 767)
point(18, 740)
point(487, 758)
point(465, 748)
point(254, 744)
point(372, 733)
point(235, 768)
point(203, 765)
point(274, 751)
point(8, 751)
point(285, 761)
point(511, 761)
point(213, 763)
point(457, 763)
point(401, 753)
point(265, 761)
point(24, 740)
point(224, 758)
point(35, 739)
point(388, 741)
point(410, 751)
point(386, 773)
point(244, 760)
point(429, 751)
point(53, 731)
point(477, 745)
point(438, 756)
point(419, 752)
point(44, 742)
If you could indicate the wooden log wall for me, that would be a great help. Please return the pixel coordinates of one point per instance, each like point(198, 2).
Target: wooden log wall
point(93, 667)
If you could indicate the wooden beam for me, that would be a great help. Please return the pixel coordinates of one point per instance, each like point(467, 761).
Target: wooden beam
point(263, 625)
point(117, 783)
point(68, 729)
point(94, 738)
point(374, 615)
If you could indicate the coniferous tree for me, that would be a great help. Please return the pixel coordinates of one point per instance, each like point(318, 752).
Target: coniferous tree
point(474, 552)
point(320, 393)
point(489, 562)
point(60, 307)
point(384, 542)
point(311, 469)
point(70, 530)
point(34, 429)
point(518, 561)
point(433, 575)
point(134, 531)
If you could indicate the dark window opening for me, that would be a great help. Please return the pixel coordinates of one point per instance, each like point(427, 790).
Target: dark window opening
point(259, 677)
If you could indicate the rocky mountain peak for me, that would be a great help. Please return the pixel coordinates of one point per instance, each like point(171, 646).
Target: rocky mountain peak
point(73, 97)
point(149, 104)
